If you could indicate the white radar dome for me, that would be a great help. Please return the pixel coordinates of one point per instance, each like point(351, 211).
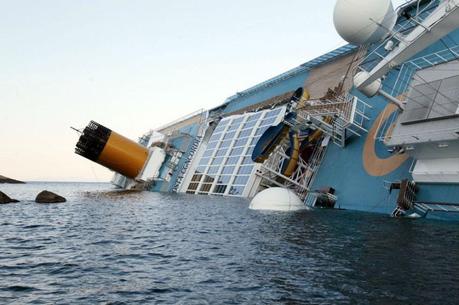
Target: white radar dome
point(362, 22)
point(277, 199)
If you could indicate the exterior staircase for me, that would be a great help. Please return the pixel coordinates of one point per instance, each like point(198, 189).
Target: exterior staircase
point(338, 118)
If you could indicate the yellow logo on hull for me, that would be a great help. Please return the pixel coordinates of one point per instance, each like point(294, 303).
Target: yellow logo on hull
point(374, 165)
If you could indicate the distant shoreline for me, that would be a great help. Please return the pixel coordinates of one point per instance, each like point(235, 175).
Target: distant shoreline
point(4, 179)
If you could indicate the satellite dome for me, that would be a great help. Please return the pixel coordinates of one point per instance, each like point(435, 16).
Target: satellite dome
point(362, 22)
point(277, 199)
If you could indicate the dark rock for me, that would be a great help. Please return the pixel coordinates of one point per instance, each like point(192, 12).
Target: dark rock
point(4, 179)
point(49, 197)
point(5, 199)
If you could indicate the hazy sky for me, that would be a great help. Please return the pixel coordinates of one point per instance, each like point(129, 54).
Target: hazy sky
point(135, 65)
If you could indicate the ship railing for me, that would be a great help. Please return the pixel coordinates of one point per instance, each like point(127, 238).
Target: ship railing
point(271, 170)
point(304, 174)
point(403, 80)
point(311, 198)
point(337, 118)
point(421, 136)
point(374, 57)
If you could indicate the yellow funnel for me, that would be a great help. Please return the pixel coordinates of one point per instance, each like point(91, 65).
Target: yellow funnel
point(112, 150)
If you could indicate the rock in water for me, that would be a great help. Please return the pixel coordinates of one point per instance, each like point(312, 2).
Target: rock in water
point(49, 197)
point(5, 199)
point(4, 179)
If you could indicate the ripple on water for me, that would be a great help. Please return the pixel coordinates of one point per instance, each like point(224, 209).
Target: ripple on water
point(105, 247)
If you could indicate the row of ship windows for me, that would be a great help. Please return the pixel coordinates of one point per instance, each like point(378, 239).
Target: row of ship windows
point(235, 151)
point(218, 161)
point(224, 179)
point(226, 173)
point(244, 133)
point(251, 121)
point(221, 169)
point(240, 142)
point(205, 189)
point(247, 129)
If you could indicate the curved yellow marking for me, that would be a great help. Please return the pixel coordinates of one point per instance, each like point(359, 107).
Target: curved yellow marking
point(306, 96)
point(374, 165)
point(295, 155)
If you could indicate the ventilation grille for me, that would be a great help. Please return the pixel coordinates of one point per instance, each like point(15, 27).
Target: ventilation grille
point(92, 141)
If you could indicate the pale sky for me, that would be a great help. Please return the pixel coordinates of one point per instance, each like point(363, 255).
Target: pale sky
point(134, 65)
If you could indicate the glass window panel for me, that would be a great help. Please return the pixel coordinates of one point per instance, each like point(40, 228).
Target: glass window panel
point(245, 133)
point(236, 190)
point(237, 121)
point(196, 177)
point(219, 128)
point(229, 135)
point(226, 144)
point(245, 170)
point(273, 113)
point(217, 161)
point(208, 179)
point(433, 100)
point(200, 169)
point(247, 160)
point(250, 124)
point(232, 160)
point(227, 170)
point(276, 111)
point(205, 187)
point(213, 170)
point(446, 101)
point(224, 179)
point(193, 187)
point(236, 151)
point(261, 130)
point(268, 121)
point(220, 189)
point(221, 152)
point(254, 141)
point(256, 116)
point(208, 153)
point(211, 146)
point(204, 161)
point(420, 101)
point(241, 142)
point(241, 180)
point(233, 128)
point(215, 137)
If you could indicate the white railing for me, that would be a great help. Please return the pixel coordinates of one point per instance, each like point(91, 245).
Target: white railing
point(423, 136)
point(335, 116)
point(403, 80)
point(302, 177)
point(400, 29)
point(271, 170)
point(311, 198)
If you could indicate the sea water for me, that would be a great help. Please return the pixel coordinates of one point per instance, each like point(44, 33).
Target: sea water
point(108, 247)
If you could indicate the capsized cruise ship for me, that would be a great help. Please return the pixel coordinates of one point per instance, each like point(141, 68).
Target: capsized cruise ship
point(371, 126)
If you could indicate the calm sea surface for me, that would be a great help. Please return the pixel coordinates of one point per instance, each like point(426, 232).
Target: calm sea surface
point(105, 247)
